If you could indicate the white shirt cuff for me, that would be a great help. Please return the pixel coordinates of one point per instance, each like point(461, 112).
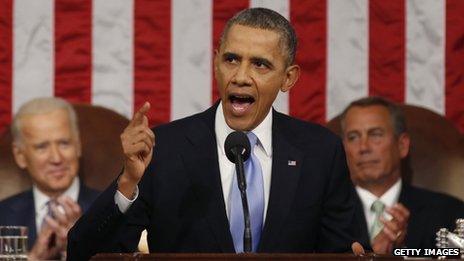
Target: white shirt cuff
point(123, 202)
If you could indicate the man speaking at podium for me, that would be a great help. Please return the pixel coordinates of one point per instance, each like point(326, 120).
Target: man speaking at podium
point(183, 189)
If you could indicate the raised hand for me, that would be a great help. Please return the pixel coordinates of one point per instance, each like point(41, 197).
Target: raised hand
point(394, 230)
point(137, 144)
point(44, 247)
point(52, 239)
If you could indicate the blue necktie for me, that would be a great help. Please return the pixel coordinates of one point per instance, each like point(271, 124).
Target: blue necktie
point(255, 195)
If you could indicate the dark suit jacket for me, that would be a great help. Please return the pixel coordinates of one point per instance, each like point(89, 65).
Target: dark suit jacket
point(19, 210)
point(182, 205)
point(429, 211)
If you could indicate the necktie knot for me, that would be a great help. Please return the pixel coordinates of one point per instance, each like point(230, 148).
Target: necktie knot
point(252, 138)
point(378, 207)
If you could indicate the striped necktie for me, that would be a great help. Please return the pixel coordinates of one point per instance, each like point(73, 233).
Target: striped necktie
point(50, 203)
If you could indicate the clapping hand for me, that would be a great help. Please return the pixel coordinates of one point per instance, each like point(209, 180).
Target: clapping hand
point(52, 238)
point(393, 233)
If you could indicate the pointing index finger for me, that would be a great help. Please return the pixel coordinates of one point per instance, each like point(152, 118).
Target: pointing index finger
point(139, 115)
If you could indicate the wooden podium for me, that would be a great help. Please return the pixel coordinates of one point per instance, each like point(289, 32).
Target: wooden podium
point(261, 257)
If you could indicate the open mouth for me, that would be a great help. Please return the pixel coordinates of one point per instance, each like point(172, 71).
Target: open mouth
point(241, 103)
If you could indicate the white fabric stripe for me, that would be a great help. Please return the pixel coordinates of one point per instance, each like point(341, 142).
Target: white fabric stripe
point(425, 54)
point(347, 57)
point(191, 67)
point(33, 48)
point(281, 104)
point(112, 55)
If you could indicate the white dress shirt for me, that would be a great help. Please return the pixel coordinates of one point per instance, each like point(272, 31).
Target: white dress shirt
point(263, 151)
point(41, 199)
point(389, 198)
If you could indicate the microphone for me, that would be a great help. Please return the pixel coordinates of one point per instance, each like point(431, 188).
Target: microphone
point(237, 147)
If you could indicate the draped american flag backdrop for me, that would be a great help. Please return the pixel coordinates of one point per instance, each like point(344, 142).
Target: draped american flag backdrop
point(119, 53)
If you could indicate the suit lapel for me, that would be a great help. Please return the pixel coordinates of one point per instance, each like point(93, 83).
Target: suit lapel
point(286, 165)
point(414, 205)
point(31, 222)
point(361, 224)
point(203, 168)
point(408, 199)
point(86, 197)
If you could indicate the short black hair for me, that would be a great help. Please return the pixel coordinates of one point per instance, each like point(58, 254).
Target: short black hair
point(268, 19)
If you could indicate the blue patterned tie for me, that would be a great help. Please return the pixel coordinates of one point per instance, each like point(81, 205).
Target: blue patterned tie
point(48, 205)
point(255, 195)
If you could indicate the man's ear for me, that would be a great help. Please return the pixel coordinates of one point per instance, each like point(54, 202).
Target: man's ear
point(19, 156)
point(403, 144)
point(292, 75)
point(216, 62)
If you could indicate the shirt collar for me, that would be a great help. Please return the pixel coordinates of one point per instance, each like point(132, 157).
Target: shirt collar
point(263, 131)
point(389, 198)
point(41, 199)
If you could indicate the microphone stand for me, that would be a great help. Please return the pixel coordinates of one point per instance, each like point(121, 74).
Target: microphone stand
point(241, 181)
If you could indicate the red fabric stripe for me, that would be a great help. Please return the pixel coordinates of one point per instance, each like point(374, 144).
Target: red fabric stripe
point(6, 58)
point(454, 56)
point(223, 10)
point(308, 96)
point(152, 58)
point(73, 48)
point(387, 48)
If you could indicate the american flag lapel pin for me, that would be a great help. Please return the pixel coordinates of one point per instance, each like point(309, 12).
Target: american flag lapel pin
point(292, 163)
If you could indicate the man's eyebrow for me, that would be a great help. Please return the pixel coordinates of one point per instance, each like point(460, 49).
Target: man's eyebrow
point(231, 55)
point(352, 132)
point(40, 143)
point(263, 61)
point(375, 129)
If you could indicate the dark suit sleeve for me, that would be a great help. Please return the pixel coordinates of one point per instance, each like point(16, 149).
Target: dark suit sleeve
point(103, 228)
point(336, 230)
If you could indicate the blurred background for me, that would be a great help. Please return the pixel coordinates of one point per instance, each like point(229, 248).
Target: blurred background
point(119, 53)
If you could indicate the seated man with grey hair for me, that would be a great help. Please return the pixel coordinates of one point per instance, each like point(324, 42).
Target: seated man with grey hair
point(389, 212)
point(46, 143)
